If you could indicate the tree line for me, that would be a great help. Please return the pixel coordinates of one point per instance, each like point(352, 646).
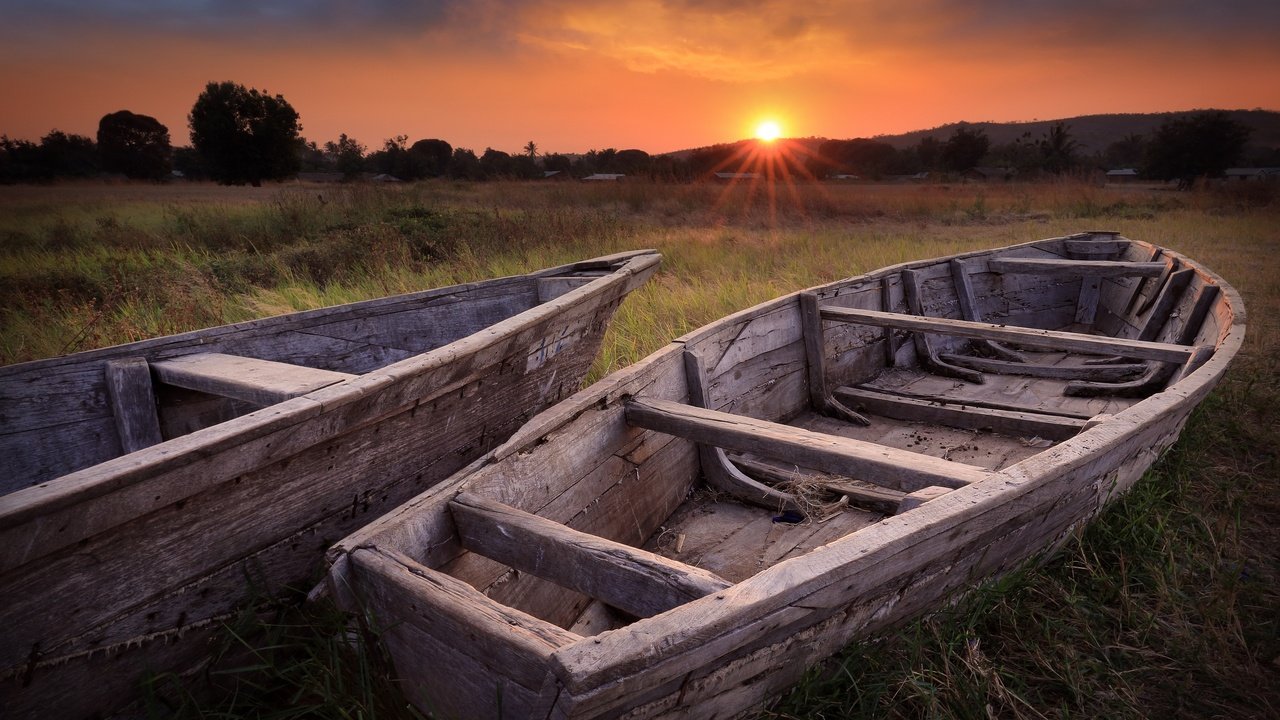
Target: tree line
point(241, 135)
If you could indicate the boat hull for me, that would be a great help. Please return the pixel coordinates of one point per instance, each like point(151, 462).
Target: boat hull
point(127, 567)
point(609, 482)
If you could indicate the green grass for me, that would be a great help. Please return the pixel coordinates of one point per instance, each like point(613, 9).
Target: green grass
point(1167, 605)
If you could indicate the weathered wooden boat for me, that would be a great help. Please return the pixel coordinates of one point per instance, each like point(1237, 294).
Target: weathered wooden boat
point(149, 485)
point(687, 536)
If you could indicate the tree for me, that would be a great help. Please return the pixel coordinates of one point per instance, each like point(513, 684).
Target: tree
point(556, 161)
point(188, 163)
point(135, 145)
point(496, 163)
point(1201, 145)
point(432, 156)
point(21, 161)
point(1058, 149)
point(964, 149)
point(66, 155)
point(243, 135)
point(348, 156)
point(928, 152)
point(531, 149)
point(1128, 151)
point(464, 165)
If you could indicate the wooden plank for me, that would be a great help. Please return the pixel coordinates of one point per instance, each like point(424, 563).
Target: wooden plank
point(633, 580)
point(133, 403)
point(811, 322)
point(967, 401)
point(1170, 267)
point(820, 398)
point(261, 382)
point(1062, 372)
point(717, 470)
point(969, 417)
point(960, 276)
point(1087, 304)
point(1083, 247)
point(1164, 304)
point(1055, 340)
point(920, 497)
point(1075, 268)
point(887, 466)
point(458, 615)
point(926, 353)
point(890, 342)
point(878, 498)
point(550, 288)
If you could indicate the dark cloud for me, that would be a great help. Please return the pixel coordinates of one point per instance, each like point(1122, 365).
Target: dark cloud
point(218, 17)
point(978, 17)
point(486, 24)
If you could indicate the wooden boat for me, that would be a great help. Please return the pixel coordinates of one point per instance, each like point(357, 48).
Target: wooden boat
point(687, 536)
point(249, 449)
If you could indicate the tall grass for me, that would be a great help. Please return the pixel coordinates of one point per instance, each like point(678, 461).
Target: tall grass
point(1167, 605)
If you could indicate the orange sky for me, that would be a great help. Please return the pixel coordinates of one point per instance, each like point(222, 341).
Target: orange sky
point(659, 75)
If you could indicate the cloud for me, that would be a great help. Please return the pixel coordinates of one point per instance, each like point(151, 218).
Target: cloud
point(721, 40)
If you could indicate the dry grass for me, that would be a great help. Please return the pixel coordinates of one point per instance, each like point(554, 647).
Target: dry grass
point(1166, 606)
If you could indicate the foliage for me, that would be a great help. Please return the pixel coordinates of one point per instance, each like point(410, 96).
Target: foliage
point(187, 160)
point(243, 135)
point(870, 159)
point(1127, 152)
point(432, 156)
point(964, 149)
point(556, 161)
point(1202, 145)
point(69, 155)
point(1058, 149)
point(464, 165)
point(347, 155)
point(135, 145)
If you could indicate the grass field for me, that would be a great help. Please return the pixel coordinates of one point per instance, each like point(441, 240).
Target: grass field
point(1169, 604)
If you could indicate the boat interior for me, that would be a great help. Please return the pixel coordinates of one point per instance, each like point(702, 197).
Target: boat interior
point(768, 435)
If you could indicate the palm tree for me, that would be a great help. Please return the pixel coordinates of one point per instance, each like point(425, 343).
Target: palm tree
point(531, 149)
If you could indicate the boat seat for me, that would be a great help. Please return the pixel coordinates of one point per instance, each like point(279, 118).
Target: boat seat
point(633, 580)
point(252, 380)
point(1076, 268)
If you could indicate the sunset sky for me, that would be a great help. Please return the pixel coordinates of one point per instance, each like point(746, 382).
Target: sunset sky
point(658, 75)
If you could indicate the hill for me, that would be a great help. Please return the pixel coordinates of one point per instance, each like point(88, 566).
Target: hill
point(1093, 133)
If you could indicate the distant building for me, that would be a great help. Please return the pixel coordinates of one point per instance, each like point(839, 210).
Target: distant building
point(1245, 174)
point(731, 176)
point(605, 177)
point(845, 176)
point(1122, 175)
point(554, 175)
point(988, 174)
point(385, 178)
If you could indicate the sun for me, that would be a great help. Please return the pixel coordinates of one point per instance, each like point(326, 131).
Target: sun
point(768, 131)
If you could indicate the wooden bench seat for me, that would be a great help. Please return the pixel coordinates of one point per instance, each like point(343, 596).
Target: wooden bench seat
point(260, 382)
point(1054, 340)
point(633, 580)
point(879, 464)
point(1076, 268)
